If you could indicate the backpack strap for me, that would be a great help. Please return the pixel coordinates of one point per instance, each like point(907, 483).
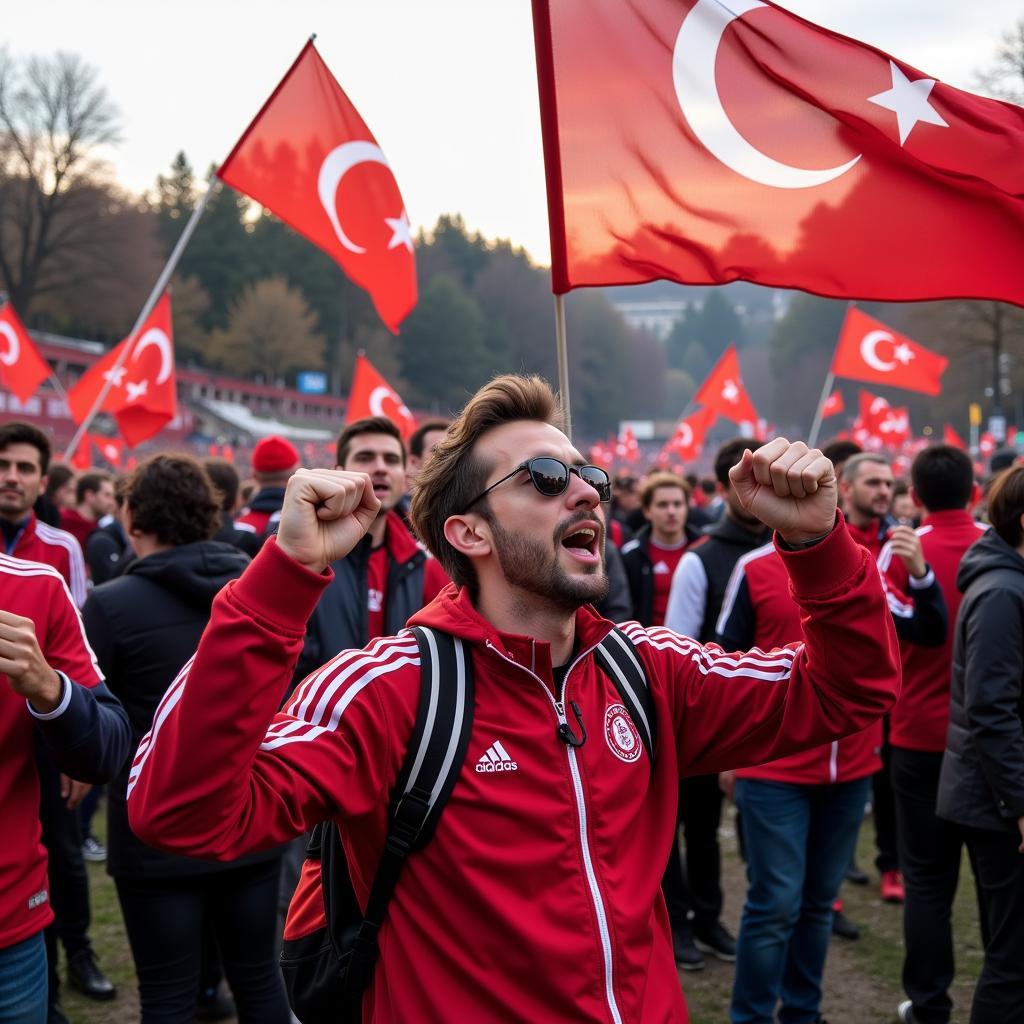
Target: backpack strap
point(432, 763)
point(617, 658)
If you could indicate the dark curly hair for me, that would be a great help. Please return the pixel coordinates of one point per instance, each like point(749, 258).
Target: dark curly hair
point(173, 498)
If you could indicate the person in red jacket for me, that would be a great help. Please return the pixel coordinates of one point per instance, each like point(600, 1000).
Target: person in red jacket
point(94, 499)
point(538, 897)
point(799, 815)
point(50, 687)
point(866, 488)
point(24, 459)
point(930, 848)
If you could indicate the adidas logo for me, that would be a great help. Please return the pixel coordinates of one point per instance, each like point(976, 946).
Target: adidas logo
point(496, 759)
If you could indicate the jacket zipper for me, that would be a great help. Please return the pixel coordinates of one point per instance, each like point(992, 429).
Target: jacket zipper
point(833, 762)
point(581, 810)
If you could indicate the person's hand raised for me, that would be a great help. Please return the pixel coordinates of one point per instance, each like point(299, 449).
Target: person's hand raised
point(326, 512)
point(22, 661)
point(789, 487)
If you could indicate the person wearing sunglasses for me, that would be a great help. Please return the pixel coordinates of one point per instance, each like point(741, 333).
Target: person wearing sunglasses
point(538, 896)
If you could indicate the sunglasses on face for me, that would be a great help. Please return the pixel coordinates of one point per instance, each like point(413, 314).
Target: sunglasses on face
point(551, 478)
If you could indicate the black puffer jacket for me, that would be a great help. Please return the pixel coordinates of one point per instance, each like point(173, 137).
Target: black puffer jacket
point(982, 780)
point(144, 626)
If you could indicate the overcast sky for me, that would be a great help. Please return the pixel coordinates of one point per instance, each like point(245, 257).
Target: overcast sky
point(447, 86)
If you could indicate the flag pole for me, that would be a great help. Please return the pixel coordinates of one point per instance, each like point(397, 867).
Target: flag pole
point(812, 437)
point(563, 362)
point(212, 184)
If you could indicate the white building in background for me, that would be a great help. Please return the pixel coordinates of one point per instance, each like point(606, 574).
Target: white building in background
point(656, 316)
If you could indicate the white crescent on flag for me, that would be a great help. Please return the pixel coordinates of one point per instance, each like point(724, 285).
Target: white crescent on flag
point(379, 395)
point(13, 353)
point(155, 336)
point(869, 351)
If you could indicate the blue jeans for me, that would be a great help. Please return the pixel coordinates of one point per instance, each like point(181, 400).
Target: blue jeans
point(799, 840)
point(23, 982)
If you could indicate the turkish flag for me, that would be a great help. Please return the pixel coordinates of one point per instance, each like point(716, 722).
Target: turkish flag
point(372, 395)
point(704, 142)
point(688, 439)
point(723, 391)
point(142, 395)
point(951, 437)
point(883, 422)
point(871, 352)
point(22, 368)
point(310, 159)
point(834, 405)
point(986, 444)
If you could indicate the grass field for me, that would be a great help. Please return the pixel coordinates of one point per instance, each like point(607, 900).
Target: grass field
point(862, 982)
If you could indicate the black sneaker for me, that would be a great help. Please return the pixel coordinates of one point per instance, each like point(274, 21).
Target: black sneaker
point(843, 927)
point(85, 975)
point(717, 941)
point(855, 875)
point(686, 952)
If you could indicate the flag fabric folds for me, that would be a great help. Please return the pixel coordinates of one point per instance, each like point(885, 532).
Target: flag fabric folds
point(142, 396)
point(705, 142)
point(869, 351)
point(22, 368)
point(687, 441)
point(372, 395)
point(951, 437)
point(723, 391)
point(310, 159)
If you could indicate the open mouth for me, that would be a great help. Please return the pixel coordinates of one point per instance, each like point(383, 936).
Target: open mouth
point(582, 543)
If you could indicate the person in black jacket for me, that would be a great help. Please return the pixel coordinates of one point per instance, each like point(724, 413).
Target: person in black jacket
point(143, 627)
point(239, 535)
point(981, 786)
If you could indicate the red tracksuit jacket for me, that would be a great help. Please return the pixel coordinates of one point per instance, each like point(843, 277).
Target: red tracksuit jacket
point(88, 736)
point(538, 898)
point(758, 611)
point(39, 542)
point(921, 716)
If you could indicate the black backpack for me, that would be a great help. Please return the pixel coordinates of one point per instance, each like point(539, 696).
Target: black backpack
point(326, 970)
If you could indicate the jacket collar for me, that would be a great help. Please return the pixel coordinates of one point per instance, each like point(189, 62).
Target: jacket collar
point(948, 517)
point(453, 612)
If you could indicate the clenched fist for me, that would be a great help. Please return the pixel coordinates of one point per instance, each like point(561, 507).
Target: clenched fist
point(326, 512)
point(789, 487)
point(22, 661)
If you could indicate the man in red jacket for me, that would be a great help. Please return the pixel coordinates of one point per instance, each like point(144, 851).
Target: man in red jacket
point(538, 897)
point(930, 847)
point(799, 815)
point(24, 459)
point(49, 687)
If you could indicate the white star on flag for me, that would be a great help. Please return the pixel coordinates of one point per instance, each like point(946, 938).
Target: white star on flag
point(401, 234)
point(730, 392)
point(116, 377)
point(904, 353)
point(909, 102)
point(136, 390)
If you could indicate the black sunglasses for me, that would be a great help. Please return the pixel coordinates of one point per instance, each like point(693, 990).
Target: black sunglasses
point(551, 478)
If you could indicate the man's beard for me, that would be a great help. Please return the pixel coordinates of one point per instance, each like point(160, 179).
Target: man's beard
point(527, 564)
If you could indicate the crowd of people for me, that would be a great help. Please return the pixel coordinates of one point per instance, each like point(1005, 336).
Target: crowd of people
point(225, 664)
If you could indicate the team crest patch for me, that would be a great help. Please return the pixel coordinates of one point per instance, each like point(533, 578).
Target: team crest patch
point(620, 733)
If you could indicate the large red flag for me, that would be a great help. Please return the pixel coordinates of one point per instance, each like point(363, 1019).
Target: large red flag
point(22, 368)
point(372, 395)
point(309, 157)
point(723, 391)
point(142, 394)
point(705, 142)
point(627, 447)
point(871, 352)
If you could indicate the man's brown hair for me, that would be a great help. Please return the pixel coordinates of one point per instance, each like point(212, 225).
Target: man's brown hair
point(1006, 505)
point(454, 475)
point(367, 425)
point(656, 480)
point(173, 498)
